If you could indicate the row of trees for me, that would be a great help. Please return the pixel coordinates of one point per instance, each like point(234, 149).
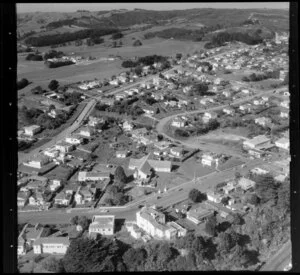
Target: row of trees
point(57, 64)
point(54, 39)
point(177, 33)
point(34, 57)
point(223, 37)
point(145, 61)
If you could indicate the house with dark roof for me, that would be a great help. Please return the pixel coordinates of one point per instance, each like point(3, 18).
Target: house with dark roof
point(144, 167)
point(51, 245)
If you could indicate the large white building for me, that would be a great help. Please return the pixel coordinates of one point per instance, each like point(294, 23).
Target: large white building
point(104, 225)
point(144, 167)
point(37, 162)
point(257, 142)
point(283, 143)
point(51, 245)
point(31, 130)
point(154, 223)
point(92, 176)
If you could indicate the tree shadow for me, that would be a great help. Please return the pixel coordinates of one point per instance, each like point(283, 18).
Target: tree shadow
point(211, 249)
point(244, 240)
point(175, 167)
point(119, 223)
point(222, 227)
point(252, 257)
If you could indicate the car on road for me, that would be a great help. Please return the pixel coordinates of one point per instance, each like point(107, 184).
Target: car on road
point(104, 210)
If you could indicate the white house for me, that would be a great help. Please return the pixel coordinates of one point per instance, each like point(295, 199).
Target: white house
point(211, 196)
point(285, 104)
point(64, 146)
point(154, 223)
point(208, 116)
point(245, 108)
point(284, 114)
point(31, 130)
point(209, 159)
point(257, 142)
point(51, 152)
point(263, 121)
point(75, 139)
point(94, 121)
point(259, 171)
point(177, 152)
point(127, 126)
point(51, 245)
point(246, 184)
point(104, 225)
point(92, 176)
point(55, 184)
point(87, 132)
point(37, 162)
point(199, 215)
point(283, 143)
point(178, 122)
point(121, 154)
point(228, 111)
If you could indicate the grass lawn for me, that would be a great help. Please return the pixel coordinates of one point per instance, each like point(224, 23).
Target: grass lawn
point(190, 168)
point(232, 162)
point(59, 172)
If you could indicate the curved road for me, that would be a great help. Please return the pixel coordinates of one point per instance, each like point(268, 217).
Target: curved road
point(213, 147)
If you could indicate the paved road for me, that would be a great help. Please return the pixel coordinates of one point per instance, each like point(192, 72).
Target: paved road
point(280, 260)
point(172, 196)
point(85, 112)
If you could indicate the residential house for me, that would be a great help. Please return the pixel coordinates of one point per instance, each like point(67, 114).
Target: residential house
point(154, 223)
point(258, 102)
point(246, 108)
point(63, 198)
point(228, 111)
point(54, 185)
point(258, 142)
point(51, 152)
point(162, 145)
point(38, 161)
point(186, 89)
point(205, 100)
point(256, 153)
point(28, 236)
point(120, 96)
point(246, 184)
point(121, 154)
point(285, 104)
point(259, 171)
point(114, 82)
point(87, 131)
point(104, 225)
point(178, 122)
point(198, 215)
point(22, 198)
point(83, 195)
point(94, 121)
point(245, 91)
point(210, 159)
point(134, 230)
point(284, 114)
point(74, 139)
point(263, 121)
point(138, 133)
point(227, 93)
point(283, 143)
point(51, 245)
point(229, 188)
point(31, 130)
point(92, 176)
point(177, 152)
point(208, 116)
point(64, 146)
point(214, 197)
point(144, 167)
point(127, 126)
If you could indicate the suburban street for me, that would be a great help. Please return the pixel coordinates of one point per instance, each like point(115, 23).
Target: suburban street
point(280, 260)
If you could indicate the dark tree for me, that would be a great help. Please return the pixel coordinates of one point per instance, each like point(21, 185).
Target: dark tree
point(74, 220)
point(53, 85)
point(135, 259)
point(211, 226)
point(137, 43)
point(178, 56)
point(195, 195)
point(84, 222)
point(117, 35)
point(120, 175)
point(53, 265)
point(22, 83)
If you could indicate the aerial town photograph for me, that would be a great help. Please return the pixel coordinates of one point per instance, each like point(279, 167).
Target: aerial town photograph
point(153, 137)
